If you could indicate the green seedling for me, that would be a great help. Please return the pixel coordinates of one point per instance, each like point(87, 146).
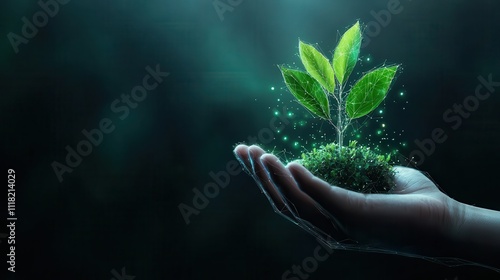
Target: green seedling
point(325, 81)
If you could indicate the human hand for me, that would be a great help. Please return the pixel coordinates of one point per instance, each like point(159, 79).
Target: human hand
point(415, 218)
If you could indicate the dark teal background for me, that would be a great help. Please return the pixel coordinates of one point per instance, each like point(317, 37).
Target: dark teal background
point(119, 207)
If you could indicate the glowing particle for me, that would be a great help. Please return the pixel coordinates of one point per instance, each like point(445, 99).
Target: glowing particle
point(383, 125)
point(368, 59)
point(381, 111)
point(296, 144)
point(285, 138)
point(290, 114)
point(276, 113)
point(272, 88)
point(379, 132)
point(401, 93)
point(278, 100)
point(358, 136)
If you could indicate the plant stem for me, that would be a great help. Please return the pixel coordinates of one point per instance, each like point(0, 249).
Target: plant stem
point(340, 130)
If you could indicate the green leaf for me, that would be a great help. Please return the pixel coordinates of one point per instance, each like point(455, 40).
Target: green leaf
point(307, 91)
point(369, 91)
point(317, 65)
point(346, 53)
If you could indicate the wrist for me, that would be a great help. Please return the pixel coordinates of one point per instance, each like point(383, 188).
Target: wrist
point(475, 234)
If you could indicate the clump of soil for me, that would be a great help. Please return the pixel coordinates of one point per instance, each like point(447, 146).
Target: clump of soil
point(352, 167)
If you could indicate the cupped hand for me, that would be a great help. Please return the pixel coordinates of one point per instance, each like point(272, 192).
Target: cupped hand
point(414, 218)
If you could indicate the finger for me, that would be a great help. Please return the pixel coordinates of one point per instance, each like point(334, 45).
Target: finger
point(250, 157)
point(246, 156)
point(263, 179)
point(340, 203)
point(254, 154)
point(301, 205)
point(241, 154)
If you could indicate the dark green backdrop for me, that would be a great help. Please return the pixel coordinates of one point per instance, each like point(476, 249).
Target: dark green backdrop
point(118, 208)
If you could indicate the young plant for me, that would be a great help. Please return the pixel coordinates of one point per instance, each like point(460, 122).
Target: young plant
point(353, 167)
point(325, 79)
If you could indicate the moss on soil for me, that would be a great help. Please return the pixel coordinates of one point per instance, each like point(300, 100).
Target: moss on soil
point(352, 167)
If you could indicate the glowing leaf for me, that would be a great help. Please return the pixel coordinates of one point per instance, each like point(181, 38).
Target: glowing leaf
point(369, 91)
point(308, 91)
point(346, 53)
point(317, 66)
